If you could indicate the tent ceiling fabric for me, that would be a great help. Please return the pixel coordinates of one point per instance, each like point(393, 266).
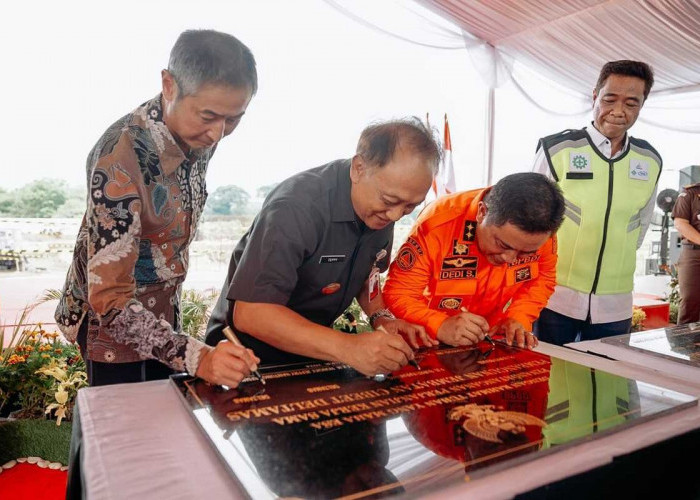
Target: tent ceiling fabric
point(569, 40)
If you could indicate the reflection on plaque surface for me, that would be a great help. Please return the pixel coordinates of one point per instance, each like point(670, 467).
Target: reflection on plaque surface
point(679, 343)
point(325, 431)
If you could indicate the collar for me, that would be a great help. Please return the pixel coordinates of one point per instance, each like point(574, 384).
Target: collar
point(150, 116)
point(341, 208)
point(602, 143)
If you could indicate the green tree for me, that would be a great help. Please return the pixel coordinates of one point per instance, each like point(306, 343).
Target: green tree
point(228, 200)
point(40, 198)
point(7, 203)
point(263, 191)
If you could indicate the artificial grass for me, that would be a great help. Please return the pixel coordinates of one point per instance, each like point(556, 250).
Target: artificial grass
point(35, 438)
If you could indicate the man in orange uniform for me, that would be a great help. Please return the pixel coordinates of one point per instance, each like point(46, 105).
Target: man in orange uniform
point(480, 262)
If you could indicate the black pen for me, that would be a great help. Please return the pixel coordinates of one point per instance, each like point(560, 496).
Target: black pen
point(228, 333)
point(411, 362)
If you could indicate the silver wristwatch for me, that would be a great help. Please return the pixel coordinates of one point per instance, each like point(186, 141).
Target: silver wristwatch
point(381, 313)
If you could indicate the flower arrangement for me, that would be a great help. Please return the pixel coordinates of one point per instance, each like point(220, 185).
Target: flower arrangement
point(40, 374)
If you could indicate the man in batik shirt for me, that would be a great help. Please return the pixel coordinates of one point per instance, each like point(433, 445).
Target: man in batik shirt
point(146, 192)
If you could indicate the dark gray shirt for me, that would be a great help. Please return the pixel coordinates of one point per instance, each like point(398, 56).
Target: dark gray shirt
point(306, 250)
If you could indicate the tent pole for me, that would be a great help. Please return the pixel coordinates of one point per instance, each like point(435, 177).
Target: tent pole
point(490, 121)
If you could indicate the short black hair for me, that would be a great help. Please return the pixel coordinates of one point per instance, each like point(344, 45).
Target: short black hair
point(529, 201)
point(627, 68)
point(207, 56)
point(379, 141)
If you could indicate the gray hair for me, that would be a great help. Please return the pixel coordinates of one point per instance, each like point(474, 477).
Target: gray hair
point(379, 141)
point(207, 56)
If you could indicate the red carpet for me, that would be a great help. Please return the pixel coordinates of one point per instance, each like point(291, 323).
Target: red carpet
point(30, 482)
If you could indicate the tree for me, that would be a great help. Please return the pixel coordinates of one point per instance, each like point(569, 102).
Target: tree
point(263, 191)
point(39, 198)
point(7, 203)
point(228, 200)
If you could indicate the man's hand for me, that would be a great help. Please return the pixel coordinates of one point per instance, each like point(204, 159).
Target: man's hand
point(515, 331)
point(463, 329)
point(226, 364)
point(410, 332)
point(375, 352)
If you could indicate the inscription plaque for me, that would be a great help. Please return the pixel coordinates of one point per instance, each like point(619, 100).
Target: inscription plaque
point(678, 343)
point(322, 430)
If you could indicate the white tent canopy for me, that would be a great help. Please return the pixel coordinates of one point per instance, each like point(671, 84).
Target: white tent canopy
point(565, 42)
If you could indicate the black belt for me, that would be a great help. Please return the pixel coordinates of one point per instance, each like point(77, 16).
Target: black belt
point(692, 245)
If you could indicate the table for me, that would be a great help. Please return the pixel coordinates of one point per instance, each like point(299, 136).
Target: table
point(139, 442)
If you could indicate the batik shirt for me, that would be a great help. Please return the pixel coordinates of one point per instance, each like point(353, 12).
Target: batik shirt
point(145, 197)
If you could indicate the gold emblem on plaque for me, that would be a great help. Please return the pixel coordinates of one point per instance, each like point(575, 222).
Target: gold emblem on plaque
point(484, 422)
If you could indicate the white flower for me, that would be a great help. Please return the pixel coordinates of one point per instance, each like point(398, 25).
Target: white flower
point(151, 302)
point(164, 246)
point(97, 193)
point(110, 356)
point(115, 234)
point(103, 241)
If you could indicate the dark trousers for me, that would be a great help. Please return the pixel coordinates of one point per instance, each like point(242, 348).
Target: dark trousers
point(558, 329)
point(120, 373)
point(689, 285)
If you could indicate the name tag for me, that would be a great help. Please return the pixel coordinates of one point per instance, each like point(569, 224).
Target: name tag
point(331, 259)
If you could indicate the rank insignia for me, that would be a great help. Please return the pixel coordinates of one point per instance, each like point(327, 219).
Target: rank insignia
point(523, 274)
point(469, 230)
point(406, 258)
point(459, 248)
point(450, 303)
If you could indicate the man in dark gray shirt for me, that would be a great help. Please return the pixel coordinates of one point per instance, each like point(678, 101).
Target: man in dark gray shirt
point(320, 240)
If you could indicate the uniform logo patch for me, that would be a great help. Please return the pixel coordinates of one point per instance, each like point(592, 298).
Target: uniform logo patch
point(450, 303)
point(459, 248)
point(458, 268)
point(523, 274)
point(330, 288)
point(406, 258)
point(416, 246)
point(639, 170)
point(469, 230)
point(579, 162)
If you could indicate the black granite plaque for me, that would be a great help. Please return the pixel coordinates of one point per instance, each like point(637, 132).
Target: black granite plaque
point(325, 431)
point(679, 343)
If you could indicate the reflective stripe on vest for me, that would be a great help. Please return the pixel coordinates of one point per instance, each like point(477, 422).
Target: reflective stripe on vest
point(604, 200)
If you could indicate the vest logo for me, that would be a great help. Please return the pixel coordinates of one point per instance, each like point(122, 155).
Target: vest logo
point(580, 162)
point(639, 170)
point(450, 303)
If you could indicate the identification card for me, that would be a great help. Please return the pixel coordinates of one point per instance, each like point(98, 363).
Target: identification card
point(373, 283)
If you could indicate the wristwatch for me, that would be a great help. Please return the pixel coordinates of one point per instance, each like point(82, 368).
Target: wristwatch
point(381, 313)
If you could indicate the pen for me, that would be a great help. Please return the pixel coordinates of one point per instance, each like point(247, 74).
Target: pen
point(487, 337)
point(228, 333)
point(411, 362)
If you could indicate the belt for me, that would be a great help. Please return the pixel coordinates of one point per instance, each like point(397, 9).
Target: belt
point(692, 245)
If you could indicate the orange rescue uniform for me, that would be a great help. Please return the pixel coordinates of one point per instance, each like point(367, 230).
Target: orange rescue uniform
point(439, 270)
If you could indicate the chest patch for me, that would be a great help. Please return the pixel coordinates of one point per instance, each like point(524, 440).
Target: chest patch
point(639, 169)
point(580, 162)
point(523, 274)
point(450, 303)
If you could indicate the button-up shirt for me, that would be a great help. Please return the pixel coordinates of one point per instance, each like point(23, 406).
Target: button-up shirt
point(145, 198)
point(578, 305)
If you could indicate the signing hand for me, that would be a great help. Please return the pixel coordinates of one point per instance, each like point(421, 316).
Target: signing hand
point(515, 331)
point(463, 329)
point(376, 352)
point(226, 364)
point(410, 332)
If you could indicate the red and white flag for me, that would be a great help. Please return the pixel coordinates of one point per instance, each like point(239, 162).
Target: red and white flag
point(444, 181)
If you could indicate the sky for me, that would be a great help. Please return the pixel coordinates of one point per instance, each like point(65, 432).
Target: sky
point(72, 68)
